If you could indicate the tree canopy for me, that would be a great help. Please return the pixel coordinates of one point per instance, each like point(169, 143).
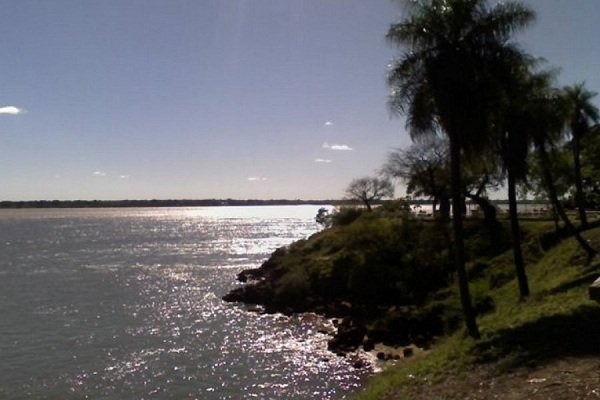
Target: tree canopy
point(449, 80)
point(369, 189)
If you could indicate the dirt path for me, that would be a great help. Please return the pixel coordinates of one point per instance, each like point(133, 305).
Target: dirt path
point(566, 379)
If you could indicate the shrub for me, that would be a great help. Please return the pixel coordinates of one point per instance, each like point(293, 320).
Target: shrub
point(345, 216)
point(396, 207)
point(292, 289)
point(373, 283)
point(323, 217)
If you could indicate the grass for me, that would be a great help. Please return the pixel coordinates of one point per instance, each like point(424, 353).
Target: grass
point(557, 321)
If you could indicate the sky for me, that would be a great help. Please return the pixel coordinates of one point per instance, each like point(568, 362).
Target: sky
point(193, 99)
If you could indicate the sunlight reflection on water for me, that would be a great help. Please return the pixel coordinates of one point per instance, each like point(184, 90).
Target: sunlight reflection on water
point(127, 304)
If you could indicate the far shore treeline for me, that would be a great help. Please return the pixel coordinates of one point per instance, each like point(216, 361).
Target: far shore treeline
point(163, 203)
point(200, 203)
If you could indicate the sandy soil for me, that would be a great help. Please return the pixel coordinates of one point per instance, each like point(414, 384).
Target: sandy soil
point(565, 379)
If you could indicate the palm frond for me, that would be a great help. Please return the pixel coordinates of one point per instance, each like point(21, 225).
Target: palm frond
point(502, 21)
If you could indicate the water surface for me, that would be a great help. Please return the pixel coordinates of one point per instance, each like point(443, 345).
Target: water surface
point(126, 303)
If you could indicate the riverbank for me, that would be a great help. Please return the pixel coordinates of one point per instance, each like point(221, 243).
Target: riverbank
point(368, 270)
point(547, 347)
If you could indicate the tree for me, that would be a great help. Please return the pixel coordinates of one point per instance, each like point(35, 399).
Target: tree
point(582, 115)
point(425, 170)
point(544, 119)
point(591, 168)
point(446, 81)
point(479, 176)
point(368, 189)
point(513, 144)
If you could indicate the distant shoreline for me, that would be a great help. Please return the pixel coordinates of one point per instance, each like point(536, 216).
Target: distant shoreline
point(160, 203)
point(194, 203)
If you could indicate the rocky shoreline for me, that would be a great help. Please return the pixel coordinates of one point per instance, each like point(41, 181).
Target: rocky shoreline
point(382, 277)
point(257, 291)
point(352, 331)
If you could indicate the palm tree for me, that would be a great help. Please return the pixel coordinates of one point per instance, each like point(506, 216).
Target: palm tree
point(513, 149)
point(445, 81)
point(513, 146)
point(544, 118)
point(582, 116)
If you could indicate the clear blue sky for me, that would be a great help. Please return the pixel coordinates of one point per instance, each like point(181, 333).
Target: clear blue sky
point(142, 99)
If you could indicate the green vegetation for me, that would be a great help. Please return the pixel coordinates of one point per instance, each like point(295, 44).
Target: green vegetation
point(451, 81)
point(556, 321)
point(367, 259)
point(582, 115)
point(381, 270)
point(389, 275)
point(482, 114)
point(460, 75)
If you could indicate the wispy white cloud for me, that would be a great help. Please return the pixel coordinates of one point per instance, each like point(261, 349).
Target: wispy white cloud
point(123, 176)
point(11, 110)
point(322, 160)
point(338, 147)
point(99, 173)
point(328, 123)
point(256, 179)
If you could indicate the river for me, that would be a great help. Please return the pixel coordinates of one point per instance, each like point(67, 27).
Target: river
point(126, 303)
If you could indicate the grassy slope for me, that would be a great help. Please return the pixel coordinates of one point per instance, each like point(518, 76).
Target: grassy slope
point(557, 322)
point(377, 258)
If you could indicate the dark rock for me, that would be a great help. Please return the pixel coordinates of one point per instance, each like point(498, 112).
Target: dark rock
point(406, 324)
point(407, 352)
point(324, 328)
point(271, 309)
point(368, 344)
point(249, 274)
point(381, 355)
point(236, 295)
point(288, 311)
point(254, 309)
point(249, 294)
point(320, 309)
point(359, 363)
point(348, 337)
point(421, 341)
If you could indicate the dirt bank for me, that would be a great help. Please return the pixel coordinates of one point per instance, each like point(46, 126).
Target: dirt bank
point(566, 379)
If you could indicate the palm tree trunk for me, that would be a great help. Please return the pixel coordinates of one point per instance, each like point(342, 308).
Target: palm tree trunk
point(459, 248)
point(555, 219)
point(579, 196)
point(591, 252)
point(516, 236)
point(444, 208)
